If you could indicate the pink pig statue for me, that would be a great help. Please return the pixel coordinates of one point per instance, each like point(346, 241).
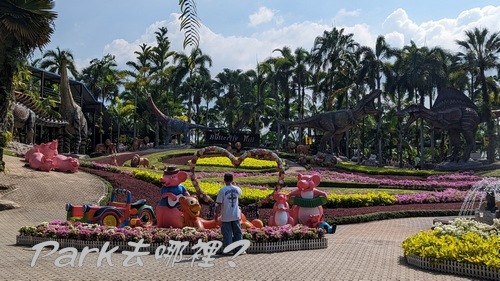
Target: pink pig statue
point(49, 149)
point(281, 210)
point(38, 161)
point(27, 155)
point(307, 200)
point(65, 164)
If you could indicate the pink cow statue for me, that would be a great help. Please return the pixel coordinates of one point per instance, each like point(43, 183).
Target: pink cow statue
point(307, 201)
point(281, 210)
point(167, 211)
point(38, 161)
point(65, 164)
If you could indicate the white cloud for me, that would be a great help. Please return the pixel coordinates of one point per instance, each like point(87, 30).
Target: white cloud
point(442, 32)
point(244, 52)
point(263, 15)
point(344, 14)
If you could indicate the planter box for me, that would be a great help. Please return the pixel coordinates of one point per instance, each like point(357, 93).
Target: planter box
point(268, 247)
point(466, 269)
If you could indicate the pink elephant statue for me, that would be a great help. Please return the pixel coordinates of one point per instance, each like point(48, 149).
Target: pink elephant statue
point(38, 161)
point(281, 210)
point(167, 211)
point(65, 164)
point(307, 201)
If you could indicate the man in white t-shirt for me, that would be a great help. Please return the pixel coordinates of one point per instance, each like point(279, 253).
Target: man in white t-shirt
point(227, 207)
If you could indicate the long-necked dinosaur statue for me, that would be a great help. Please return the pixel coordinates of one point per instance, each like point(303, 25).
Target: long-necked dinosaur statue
point(335, 123)
point(76, 129)
point(452, 111)
point(174, 125)
point(27, 115)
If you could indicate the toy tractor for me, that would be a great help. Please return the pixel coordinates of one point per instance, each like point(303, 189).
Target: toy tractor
point(117, 214)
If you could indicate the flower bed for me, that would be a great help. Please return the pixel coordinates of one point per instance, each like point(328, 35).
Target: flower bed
point(79, 235)
point(463, 243)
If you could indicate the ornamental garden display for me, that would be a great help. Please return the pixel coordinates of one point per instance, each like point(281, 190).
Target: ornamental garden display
point(177, 209)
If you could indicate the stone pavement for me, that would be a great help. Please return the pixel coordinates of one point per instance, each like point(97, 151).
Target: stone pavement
point(368, 251)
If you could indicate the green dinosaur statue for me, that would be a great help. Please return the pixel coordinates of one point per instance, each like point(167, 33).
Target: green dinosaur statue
point(173, 125)
point(454, 112)
point(335, 123)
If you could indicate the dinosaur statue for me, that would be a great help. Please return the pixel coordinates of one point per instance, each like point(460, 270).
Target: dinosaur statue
point(173, 125)
point(336, 123)
point(72, 112)
point(27, 114)
point(454, 112)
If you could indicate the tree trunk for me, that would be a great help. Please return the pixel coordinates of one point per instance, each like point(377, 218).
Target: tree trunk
point(6, 98)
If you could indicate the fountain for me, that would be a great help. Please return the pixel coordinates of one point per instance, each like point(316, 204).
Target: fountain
point(487, 193)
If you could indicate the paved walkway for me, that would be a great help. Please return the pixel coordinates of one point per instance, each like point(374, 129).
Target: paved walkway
point(368, 251)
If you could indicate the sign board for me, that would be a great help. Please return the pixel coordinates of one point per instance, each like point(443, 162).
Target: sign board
point(246, 140)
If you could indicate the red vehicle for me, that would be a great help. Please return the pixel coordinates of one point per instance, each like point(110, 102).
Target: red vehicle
point(118, 214)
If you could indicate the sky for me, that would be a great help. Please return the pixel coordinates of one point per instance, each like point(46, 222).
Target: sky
point(239, 34)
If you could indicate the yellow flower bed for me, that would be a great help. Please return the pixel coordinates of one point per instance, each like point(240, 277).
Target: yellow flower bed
point(211, 189)
point(360, 200)
point(469, 247)
point(247, 163)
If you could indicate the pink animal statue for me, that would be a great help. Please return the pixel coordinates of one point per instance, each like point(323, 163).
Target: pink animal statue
point(38, 161)
point(167, 211)
point(307, 201)
point(65, 164)
point(27, 155)
point(48, 149)
point(281, 210)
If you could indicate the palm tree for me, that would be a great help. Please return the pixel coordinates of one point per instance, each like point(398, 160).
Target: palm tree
point(121, 111)
point(424, 71)
point(482, 49)
point(371, 71)
point(25, 26)
point(161, 75)
point(140, 77)
point(189, 23)
point(52, 61)
point(102, 78)
point(333, 54)
point(187, 66)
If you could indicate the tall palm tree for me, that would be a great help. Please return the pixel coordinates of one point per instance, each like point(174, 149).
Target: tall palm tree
point(187, 66)
point(333, 55)
point(121, 111)
point(102, 78)
point(372, 68)
point(139, 79)
point(482, 48)
point(425, 70)
point(52, 61)
point(25, 26)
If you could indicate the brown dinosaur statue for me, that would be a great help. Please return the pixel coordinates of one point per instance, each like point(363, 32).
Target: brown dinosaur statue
point(27, 114)
point(173, 125)
point(335, 123)
point(452, 111)
point(76, 130)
